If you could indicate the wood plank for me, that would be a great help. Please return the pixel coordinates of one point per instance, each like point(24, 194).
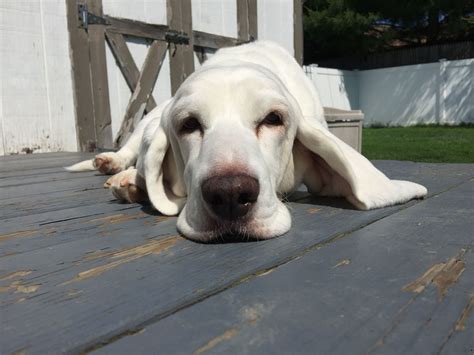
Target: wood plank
point(459, 339)
point(298, 42)
point(30, 173)
point(247, 20)
point(158, 32)
point(212, 41)
point(67, 216)
point(98, 221)
point(91, 180)
point(181, 56)
point(35, 156)
point(242, 20)
point(143, 270)
point(41, 163)
point(99, 79)
point(126, 64)
point(26, 180)
point(348, 295)
point(55, 201)
point(44, 230)
point(83, 94)
point(136, 28)
point(146, 82)
point(253, 19)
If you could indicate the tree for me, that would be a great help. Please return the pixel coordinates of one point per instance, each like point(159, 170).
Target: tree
point(344, 27)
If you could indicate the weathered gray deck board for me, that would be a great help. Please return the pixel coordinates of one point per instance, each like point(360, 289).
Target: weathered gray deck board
point(94, 269)
point(54, 201)
point(345, 297)
point(56, 175)
point(30, 173)
point(36, 188)
point(39, 161)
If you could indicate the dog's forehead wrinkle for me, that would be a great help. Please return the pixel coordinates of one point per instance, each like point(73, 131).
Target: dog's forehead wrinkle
point(229, 78)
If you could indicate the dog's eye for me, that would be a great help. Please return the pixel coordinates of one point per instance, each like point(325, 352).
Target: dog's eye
point(272, 119)
point(190, 125)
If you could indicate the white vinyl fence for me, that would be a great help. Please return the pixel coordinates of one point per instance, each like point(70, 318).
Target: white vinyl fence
point(440, 92)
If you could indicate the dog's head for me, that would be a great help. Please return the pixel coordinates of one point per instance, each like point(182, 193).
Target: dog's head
point(221, 152)
point(232, 140)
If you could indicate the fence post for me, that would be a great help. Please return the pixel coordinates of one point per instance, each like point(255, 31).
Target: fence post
point(181, 56)
point(298, 30)
point(247, 20)
point(83, 102)
point(99, 79)
point(442, 91)
point(91, 92)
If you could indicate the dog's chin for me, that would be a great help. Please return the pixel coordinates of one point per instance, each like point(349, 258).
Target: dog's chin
point(207, 229)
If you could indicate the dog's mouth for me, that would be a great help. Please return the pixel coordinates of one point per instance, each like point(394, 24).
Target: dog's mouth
point(236, 231)
point(263, 222)
point(219, 231)
point(242, 230)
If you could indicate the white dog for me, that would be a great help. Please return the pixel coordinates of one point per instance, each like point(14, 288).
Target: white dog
point(244, 129)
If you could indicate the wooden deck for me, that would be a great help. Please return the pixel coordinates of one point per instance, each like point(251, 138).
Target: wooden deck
point(80, 272)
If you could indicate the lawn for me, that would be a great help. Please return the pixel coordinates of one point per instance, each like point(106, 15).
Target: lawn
point(437, 144)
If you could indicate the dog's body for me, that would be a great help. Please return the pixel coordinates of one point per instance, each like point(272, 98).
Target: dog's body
point(241, 131)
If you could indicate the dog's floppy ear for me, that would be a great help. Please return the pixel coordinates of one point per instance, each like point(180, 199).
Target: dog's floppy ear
point(345, 172)
point(162, 167)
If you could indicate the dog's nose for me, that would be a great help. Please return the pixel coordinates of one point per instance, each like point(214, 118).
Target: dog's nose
point(230, 196)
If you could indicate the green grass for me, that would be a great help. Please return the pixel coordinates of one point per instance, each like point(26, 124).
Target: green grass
point(436, 144)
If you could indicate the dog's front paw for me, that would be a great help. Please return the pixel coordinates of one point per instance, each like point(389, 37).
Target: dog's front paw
point(126, 187)
point(109, 163)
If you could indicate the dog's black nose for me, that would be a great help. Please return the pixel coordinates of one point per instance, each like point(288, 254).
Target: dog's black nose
point(230, 196)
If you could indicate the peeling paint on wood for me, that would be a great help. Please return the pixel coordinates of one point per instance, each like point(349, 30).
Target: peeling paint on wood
point(18, 234)
point(460, 324)
point(18, 287)
point(74, 292)
point(251, 316)
point(20, 352)
point(118, 218)
point(449, 276)
point(27, 233)
point(27, 289)
point(443, 275)
point(228, 334)
point(125, 256)
point(341, 263)
point(162, 219)
point(15, 274)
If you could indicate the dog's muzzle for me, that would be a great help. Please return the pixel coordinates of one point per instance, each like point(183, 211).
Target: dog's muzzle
point(230, 197)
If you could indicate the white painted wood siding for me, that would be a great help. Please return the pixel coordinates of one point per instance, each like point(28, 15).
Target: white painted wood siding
point(37, 110)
